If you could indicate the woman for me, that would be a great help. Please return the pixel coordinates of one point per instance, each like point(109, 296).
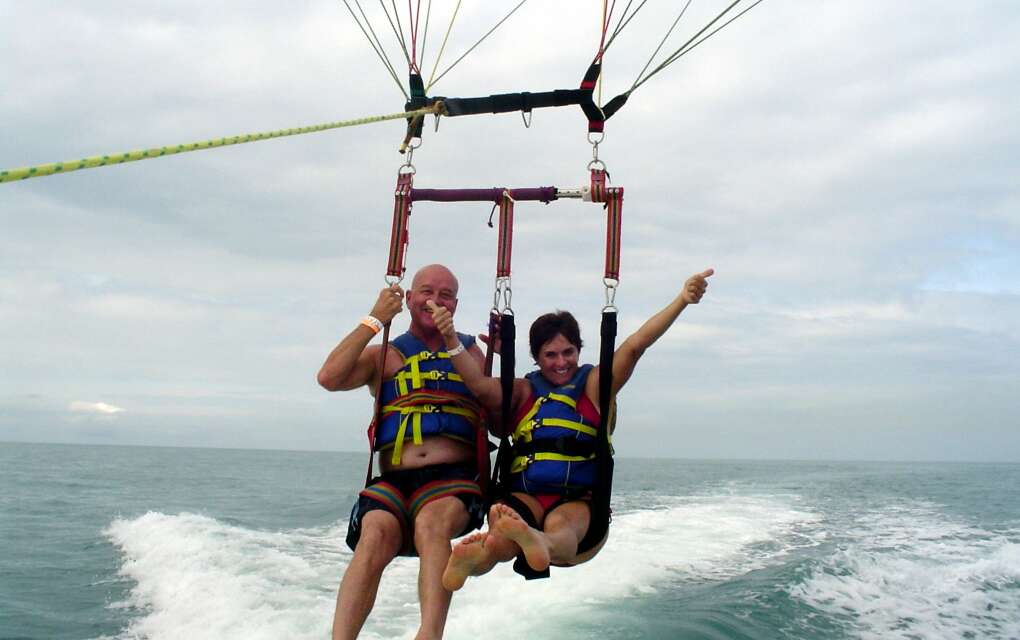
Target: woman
point(546, 515)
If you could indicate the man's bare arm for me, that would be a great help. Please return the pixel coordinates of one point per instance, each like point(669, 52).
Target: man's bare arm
point(352, 363)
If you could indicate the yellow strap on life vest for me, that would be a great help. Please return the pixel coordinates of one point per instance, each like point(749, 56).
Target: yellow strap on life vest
point(567, 400)
point(528, 423)
point(521, 463)
point(413, 413)
point(524, 428)
point(570, 424)
point(416, 375)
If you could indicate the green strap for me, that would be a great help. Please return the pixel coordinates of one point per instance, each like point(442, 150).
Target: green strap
point(24, 173)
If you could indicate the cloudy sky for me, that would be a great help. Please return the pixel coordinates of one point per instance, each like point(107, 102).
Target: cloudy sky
point(850, 169)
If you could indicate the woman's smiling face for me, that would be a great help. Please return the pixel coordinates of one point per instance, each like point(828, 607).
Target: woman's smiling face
point(557, 360)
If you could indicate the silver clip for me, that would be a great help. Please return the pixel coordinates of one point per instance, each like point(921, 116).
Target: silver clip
point(611, 286)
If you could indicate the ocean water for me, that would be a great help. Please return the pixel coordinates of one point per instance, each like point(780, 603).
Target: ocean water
point(161, 543)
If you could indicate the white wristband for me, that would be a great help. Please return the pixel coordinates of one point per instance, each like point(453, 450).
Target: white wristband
point(459, 349)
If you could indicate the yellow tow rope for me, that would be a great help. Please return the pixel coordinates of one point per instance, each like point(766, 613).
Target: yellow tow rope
point(24, 173)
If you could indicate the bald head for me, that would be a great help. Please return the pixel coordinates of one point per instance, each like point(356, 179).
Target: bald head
point(435, 274)
point(433, 283)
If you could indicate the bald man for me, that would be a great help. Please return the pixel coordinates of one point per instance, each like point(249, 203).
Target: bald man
point(427, 493)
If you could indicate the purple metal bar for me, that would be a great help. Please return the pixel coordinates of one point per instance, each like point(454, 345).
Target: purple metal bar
point(542, 194)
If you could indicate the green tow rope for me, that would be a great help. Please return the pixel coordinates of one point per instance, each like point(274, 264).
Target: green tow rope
point(25, 173)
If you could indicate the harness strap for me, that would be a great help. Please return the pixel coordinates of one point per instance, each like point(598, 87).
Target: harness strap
point(522, 101)
point(614, 227)
point(598, 185)
point(506, 235)
point(482, 444)
point(377, 409)
point(414, 102)
point(596, 118)
point(603, 489)
point(507, 364)
point(398, 232)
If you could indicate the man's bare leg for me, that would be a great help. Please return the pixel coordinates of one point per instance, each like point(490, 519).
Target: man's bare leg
point(437, 523)
point(379, 543)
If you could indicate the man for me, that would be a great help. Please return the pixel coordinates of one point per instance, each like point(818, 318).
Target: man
point(428, 492)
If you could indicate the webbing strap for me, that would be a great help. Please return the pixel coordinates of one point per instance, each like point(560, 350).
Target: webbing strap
point(598, 185)
point(525, 101)
point(377, 409)
point(506, 235)
point(603, 489)
point(484, 466)
point(614, 225)
point(507, 364)
point(596, 118)
point(398, 232)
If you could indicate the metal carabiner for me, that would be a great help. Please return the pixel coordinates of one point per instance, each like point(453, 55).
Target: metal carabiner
point(508, 294)
point(611, 286)
point(502, 290)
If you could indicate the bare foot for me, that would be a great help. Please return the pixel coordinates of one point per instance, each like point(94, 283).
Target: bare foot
point(509, 524)
point(465, 557)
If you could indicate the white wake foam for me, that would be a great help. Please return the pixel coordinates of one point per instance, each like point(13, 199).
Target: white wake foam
point(910, 572)
point(200, 578)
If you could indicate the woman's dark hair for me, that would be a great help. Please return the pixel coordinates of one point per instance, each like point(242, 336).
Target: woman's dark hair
point(545, 328)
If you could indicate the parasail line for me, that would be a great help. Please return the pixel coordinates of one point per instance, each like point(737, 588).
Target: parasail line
point(23, 173)
point(399, 35)
point(687, 47)
point(659, 48)
point(442, 47)
point(378, 50)
point(472, 48)
point(623, 23)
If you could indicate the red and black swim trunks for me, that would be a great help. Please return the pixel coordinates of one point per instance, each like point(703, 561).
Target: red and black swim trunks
point(404, 493)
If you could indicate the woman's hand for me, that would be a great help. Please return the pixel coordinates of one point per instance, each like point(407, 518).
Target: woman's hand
point(695, 287)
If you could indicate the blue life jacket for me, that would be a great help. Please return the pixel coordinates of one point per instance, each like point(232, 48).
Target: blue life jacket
point(554, 445)
point(426, 397)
